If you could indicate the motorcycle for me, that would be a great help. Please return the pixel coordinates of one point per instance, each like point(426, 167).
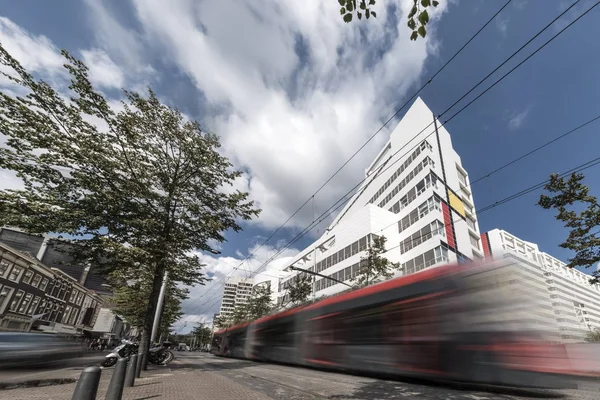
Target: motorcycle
point(157, 355)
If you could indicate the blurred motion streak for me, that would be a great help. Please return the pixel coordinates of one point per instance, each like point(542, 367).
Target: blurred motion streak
point(479, 322)
point(34, 349)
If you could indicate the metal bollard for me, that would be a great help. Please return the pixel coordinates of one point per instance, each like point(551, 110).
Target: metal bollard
point(130, 374)
point(138, 365)
point(117, 382)
point(87, 385)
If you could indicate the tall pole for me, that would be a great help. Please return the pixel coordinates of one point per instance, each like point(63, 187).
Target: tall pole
point(159, 307)
point(314, 278)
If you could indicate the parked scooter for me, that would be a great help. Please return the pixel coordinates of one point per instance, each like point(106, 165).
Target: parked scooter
point(157, 355)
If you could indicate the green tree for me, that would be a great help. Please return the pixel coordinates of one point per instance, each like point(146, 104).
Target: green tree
point(222, 322)
point(374, 267)
point(593, 336)
point(418, 17)
point(203, 335)
point(259, 304)
point(132, 301)
point(142, 187)
point(300, 290)
point(567, 197)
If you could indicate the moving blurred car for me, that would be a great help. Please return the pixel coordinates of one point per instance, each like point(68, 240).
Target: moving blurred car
point(17, 348)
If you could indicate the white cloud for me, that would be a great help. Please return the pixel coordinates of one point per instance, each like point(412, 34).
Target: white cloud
point(516, 119)
point(502, 24)
point(302, 90)
point(103, 72)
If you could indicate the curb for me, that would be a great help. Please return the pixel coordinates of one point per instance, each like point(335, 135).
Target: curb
point(36, 383)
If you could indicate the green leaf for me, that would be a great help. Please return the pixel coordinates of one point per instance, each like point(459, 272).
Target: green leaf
point(359, 15)
point(424, 17)
point(425, 3)
point(348, 18)
point(413, 12)
point(422, 31)
point(374, 14)
point(371, 2)
point(435, 3)
point(363, 5)
point(414, 35)
point(342, 2)
point(412, 24)
point(349, 6)
point(368, 13)
point(342, 11)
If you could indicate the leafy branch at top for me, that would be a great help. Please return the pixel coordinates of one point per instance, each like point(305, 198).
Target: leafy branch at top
point(418, 17)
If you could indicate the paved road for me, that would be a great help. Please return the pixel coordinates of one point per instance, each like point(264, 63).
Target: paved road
point(291, 383)
point(52, 370)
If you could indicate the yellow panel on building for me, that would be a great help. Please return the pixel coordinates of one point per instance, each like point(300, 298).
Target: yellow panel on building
point(456, 203)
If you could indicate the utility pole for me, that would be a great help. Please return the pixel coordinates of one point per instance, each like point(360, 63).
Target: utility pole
point(159, 307)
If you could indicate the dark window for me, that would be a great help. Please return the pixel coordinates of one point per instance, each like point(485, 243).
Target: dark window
point(364, 328)
point(362, 244)
point(354, 248)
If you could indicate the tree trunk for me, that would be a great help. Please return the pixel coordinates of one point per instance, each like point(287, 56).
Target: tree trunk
point(150, 311)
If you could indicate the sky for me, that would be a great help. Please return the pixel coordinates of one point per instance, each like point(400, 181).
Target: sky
point(293, 92)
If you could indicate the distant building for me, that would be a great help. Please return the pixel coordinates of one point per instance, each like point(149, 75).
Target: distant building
point(571, 299)
point(235, 292)
point(416, 194)
point(34, 296)
point(51, 252)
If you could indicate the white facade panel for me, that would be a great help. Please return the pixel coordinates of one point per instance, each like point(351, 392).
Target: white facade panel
point(400, 199)
point(573, 300)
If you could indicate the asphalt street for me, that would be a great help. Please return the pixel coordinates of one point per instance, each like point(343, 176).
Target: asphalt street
point(293, 383)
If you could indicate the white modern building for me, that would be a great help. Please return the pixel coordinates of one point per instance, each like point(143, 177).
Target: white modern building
point(572, 300)
point(237, 290)
point(416, 194)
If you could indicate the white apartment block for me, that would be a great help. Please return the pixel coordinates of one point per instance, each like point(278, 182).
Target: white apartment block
point(416, 194)
point(572, 300)
point(236, 291)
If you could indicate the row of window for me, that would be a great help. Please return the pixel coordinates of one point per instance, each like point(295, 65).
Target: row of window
point(433, 203)
point(422, 235)
point(339, 256)
point(402, 184)
point(425, 183)
point(425, 260)
point(401, 169)
point(343, 275)
point(57, 288)
point(29, 304)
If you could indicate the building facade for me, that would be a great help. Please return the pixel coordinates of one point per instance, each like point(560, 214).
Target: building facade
point(236, 291)
point(571, 299)
point(53, 253)
point(34, 296)
point(416, 194)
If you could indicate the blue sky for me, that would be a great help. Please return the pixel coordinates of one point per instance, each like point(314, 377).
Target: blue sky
point(294, 92)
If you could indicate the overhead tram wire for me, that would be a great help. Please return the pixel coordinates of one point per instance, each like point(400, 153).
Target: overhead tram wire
point(472, 101)
point(479, 96)
point(383, 126)
point(518, 194)
point(505, 200)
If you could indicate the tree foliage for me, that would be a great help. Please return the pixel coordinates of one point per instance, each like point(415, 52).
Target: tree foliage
point(375, 267)
point(566, 197)
point(142, 185)
point(203, 335)
point(593, 336)
point(132, 302)
point(258, 305)
point(418, 17)
point(300, 290)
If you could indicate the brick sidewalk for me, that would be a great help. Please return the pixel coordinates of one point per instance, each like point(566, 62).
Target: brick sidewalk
point(177, 384)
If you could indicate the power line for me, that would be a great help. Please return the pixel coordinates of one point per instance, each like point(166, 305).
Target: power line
point(485, 176)
point(442, 124)
point(379, 130)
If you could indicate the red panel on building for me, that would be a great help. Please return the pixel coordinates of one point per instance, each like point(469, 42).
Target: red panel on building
point(448, 224)
point(486, 245)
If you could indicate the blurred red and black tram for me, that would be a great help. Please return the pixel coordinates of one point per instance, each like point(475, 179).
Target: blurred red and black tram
point(410, 326)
